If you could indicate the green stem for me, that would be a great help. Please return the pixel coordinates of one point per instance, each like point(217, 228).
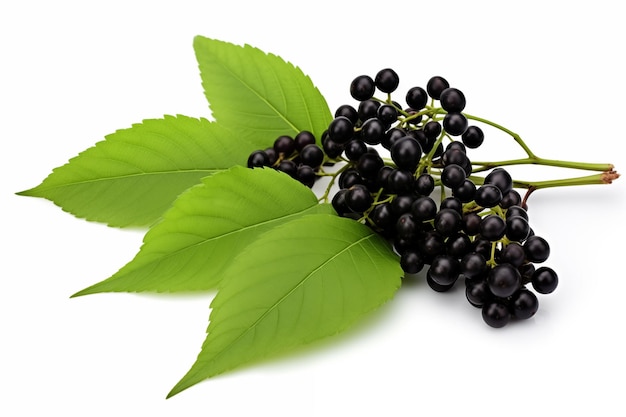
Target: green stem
point(483, 166)
point(603, 178)
point(514, 135)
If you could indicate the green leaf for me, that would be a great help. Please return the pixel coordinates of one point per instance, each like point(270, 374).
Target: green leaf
point(305, 280)
point(254, 93)
point(133, 176)
point(207, 226)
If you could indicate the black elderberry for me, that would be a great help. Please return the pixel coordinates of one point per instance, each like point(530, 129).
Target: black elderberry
point(306, 175)
point(424, 184)
point(473, 265)
point(434, 285)
point(517, 228)
point(406, 227)
point(331, 148)
point(341, 130)
point(387, 80)
point(452, 176)
point(544, 280)
point(436, 85)
point(406, 153)
point(411, 261)
point(501, 179)
point(471, 223)
point(444, 270)
point(455, 123)
point(458, 245)
point(382, 216)
point(512, 198)
point(432, 129)
point(387, 114)
point(350, 177)
point(303, 139)
point(355, 149)
point(288, 167)
point(452, 203)
point(339, 202)
point(358, 198)
point(524, 304)
point(537, 249)
point(369, 164)
point(272, 155)
point(516, 211)
point(424, 208)
point(312, 155)
point(452, 100)
point(400, 181)
point(391, 136)
point(432, 244)
point(448, 221)
point(504, 279)
point(258, 159)
point(492, 227)
point(473, 137)
point(368, 109)
point(402, 204)
point(348, 111)
point(362, 88)
point(284, 145)
point(513, 254)
point(372, 131)
point(477, 293)
point(488, 195)
point(496, 314)
point(465, 192)
point(417, 98)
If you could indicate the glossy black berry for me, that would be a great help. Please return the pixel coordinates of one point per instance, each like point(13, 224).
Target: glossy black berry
point(513, 254)
point(501, 179)
point(312, 155)
point(368, 109)
point(424, 208)
point(331, 148)
point(417, 98)
point(306, 175)
point(387, 114)
point(362, 87)
point(387, 80)
point(372, 131)
point(448, 221)
point(473, 265)
point(545, 280)
point(304, 138)
point(524, 304)
point(350, 177)
point(400, 181)
point(288, 166)
point(411, 261)
point(435, 86)
point(424, 184)
point(537, 249)
point(452, 100)
point(406, 227)
point(492, 227)
point(517, 228)
point(488, 195)
point(382, 216)
point(452, 176)
point(284, 145)
point(348, 111)
point(406, 153)
point(473, 137)
point(358, 198)
point(258, 159)
point(455, 123)
point(496, 314)
point(444, 269)
point(369, 164)
point(465, 192)
point(477, 293)
point(504, 280)
point(340, 130)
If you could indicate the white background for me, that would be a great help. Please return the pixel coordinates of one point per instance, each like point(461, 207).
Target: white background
point(72, 72)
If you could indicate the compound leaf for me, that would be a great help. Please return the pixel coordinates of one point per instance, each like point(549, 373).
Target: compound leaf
point(307, 279)
point(207, 226)
point(133, 176)
point(254, 93)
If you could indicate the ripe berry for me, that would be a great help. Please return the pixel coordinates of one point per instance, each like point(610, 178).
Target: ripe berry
point(448, 222)
point(501, 179)
point(304, 138)
point(435, 86)
point(387, 114)
point(369, 164)
point(362, 88)
point(517, 228)
point(358, 198)
point(406, 153)
point(473, 137)
point(424, 184)
point(306, 175)
point(488, 196)
point(432, 129)
point(348, 111)
point(417, 98)
point(284, 145)
point(368, 109)
point(477, 293)
point(452, 176)
point(524, 304)
point(452, 100)
point(496, 314)
point(545, 280)
point(504, 280)
point(372, 131)
point(492, 227)
point(424, 208)
point(455, 123)
point(258, 159)
point(312, 155)
point(444, 270)
point(387, 80)
point(289, 167)
point(340, 129)
point(473, 265)
point(537, 249)
point(411, 261)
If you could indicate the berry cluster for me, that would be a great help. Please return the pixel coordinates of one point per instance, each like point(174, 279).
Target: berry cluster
point(300, 157)
point(423, 197)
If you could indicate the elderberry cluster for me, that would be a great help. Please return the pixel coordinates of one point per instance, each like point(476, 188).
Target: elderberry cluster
point(401, 180)
point(298, 156)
